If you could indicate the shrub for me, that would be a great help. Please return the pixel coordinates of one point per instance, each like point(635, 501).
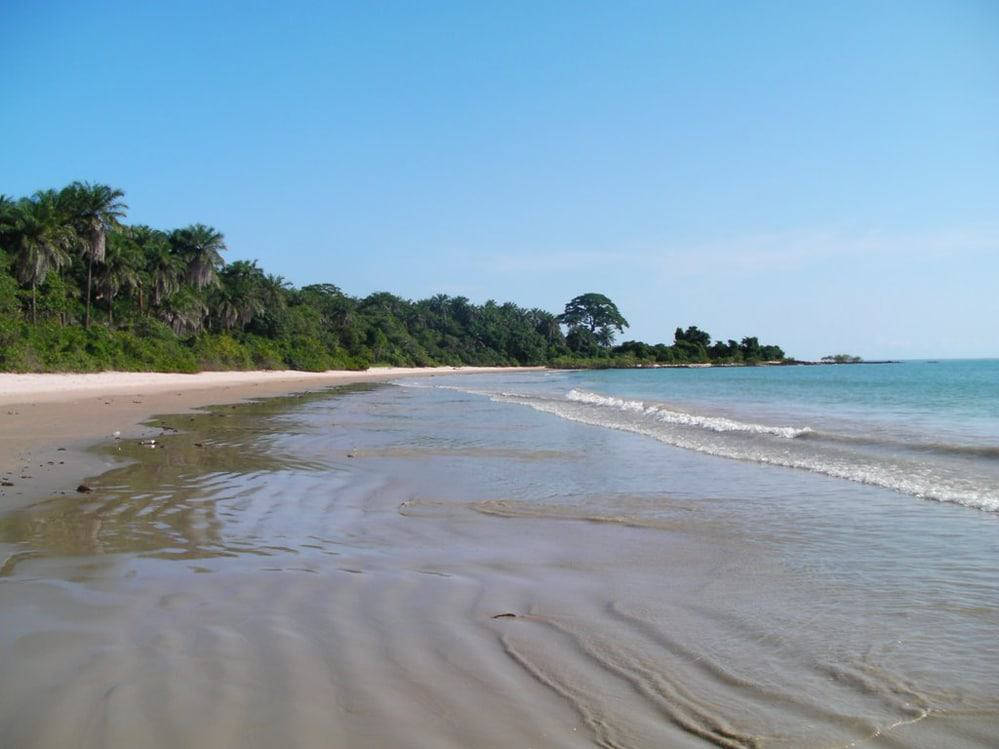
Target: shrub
point(220, 352)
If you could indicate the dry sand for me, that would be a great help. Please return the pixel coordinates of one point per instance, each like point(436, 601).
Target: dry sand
point(47, 419)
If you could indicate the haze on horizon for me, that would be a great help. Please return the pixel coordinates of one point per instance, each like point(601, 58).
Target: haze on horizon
point(825, 178)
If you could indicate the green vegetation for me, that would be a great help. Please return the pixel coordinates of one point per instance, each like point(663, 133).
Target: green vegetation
point(841, 359)
point(82, 291)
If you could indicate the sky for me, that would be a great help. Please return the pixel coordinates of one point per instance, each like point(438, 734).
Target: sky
point(822, 175)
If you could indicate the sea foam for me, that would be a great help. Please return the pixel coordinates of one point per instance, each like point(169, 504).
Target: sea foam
point(822, 452)
point(661, 413)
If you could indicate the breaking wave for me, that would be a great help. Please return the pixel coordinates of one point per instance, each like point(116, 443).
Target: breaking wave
point(661, 413)
point(931, 473)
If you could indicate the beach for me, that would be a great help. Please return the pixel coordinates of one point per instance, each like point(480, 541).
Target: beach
point(49, 419)
point(492, 559)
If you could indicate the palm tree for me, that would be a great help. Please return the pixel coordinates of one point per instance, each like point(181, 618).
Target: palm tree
point(122, 260)
point(165, 269)
point(159, 268)
point(95, 210)
point(184, 311)
point(8, 221)
point(546, 324)
point(240, 296)
point(42, 240)
point(201, 247)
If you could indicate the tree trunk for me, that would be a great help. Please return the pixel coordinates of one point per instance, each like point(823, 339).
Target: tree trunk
point(34, 315)
point(90, 273)
point(110, 310)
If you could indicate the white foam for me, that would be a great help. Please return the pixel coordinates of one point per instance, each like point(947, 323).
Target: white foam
point(715, 435)
point(714, 423)
point(898, 476)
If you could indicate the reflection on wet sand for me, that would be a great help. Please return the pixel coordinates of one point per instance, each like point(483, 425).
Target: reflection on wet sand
point(161, 502)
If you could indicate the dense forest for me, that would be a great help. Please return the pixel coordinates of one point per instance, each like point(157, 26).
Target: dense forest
point(81, 290)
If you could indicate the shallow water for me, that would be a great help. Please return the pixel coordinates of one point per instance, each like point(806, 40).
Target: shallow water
point(325, 571)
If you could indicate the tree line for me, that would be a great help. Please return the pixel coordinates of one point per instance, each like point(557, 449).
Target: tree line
point(81, 290)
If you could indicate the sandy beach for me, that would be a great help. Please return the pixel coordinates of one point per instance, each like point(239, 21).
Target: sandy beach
point(47, 419)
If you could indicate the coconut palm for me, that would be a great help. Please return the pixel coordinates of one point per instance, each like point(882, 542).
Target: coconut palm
point(94, 210)
point(201, 247)
point(42, 241)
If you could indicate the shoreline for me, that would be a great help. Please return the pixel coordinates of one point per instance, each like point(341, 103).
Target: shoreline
point(49, 421)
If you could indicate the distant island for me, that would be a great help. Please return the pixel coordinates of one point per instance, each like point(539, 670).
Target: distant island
point(80, 290)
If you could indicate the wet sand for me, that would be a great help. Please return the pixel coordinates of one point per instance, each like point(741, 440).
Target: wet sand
point(229, 589)
point(48, 420)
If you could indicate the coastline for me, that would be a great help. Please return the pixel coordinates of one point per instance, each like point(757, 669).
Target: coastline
point(50, 420)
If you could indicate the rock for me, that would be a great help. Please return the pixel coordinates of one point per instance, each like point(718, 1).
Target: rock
point(504, 615)
point(84, 489)
point(6, 483)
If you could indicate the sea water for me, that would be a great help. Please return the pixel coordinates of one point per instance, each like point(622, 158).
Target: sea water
point(852, 517)
point(926, 429)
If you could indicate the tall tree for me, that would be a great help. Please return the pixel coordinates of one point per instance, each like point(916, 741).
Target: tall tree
point(597, 314)
point(146, 241)
point(692, 334)
point(164, 267)
point(201, 247)
point(121, 269)
point(94, 211)
point(42, 241)
point(239, 296)
point(8, 221)
point(184, 311)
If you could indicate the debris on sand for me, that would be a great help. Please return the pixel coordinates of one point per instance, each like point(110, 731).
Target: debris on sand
point(84, 489)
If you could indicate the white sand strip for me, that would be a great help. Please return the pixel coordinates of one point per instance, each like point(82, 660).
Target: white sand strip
point(20, 388)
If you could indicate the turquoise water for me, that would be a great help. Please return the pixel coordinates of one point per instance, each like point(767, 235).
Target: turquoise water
point(929, 430)
point(957, 398)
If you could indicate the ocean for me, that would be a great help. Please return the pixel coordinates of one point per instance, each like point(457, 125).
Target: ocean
point(743, 557)
point(928, 429)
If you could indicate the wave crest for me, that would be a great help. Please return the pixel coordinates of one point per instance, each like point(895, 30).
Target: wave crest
point(661, 413)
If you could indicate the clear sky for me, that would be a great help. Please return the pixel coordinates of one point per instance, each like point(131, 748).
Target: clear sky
point(824, 175)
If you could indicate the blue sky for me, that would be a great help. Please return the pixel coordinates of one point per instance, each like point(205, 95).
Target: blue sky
point(822, 175)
